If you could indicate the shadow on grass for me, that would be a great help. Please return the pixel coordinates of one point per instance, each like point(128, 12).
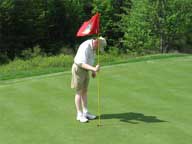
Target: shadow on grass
point(132, 117)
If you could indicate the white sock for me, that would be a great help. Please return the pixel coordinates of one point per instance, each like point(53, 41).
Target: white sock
point(85, 110)
point(79, 113)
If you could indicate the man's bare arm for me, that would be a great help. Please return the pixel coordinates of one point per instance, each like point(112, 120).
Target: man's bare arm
point(91, 68)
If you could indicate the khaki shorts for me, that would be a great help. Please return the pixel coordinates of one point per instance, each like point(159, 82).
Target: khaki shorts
point(80, 78)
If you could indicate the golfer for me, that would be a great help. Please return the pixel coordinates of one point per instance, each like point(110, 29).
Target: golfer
point(83, 63)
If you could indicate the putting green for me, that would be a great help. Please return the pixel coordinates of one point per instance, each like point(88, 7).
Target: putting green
point(146, 102)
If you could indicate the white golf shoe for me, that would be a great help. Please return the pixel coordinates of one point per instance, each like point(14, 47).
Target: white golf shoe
point(89, 116)
point(82, 118)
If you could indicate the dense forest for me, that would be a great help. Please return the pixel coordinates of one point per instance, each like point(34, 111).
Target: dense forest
point(48, 27)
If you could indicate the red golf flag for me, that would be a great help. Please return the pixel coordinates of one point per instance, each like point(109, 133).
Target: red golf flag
point(89, 27)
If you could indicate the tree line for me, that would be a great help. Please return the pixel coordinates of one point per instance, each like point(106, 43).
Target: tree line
point(48, 27)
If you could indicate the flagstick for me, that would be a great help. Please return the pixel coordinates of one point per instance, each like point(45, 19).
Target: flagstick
point(98, 87)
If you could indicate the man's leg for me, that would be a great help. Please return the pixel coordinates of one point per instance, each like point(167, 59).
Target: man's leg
point(84, 101)
point(84, 106)
point(78, 104)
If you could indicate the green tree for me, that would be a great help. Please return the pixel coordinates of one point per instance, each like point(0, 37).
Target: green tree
point(172, 23)
point(112, 12)
point(139, 37)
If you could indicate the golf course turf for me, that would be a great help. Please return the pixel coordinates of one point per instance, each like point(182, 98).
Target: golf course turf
point(144, 102)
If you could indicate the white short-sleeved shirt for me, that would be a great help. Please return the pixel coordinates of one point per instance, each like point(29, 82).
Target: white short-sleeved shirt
point(85, 53)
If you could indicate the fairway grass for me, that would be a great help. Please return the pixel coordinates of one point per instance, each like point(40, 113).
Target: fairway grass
point(144, 102)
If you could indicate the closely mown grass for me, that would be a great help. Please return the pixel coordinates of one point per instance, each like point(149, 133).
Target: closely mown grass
point(46, 65)
point(142, 102)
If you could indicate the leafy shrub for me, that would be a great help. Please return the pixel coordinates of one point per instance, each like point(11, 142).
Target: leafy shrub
point(31, 53)
point(4, 58)
point(38, 63)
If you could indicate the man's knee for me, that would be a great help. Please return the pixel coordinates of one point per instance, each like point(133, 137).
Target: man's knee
point(82, 92)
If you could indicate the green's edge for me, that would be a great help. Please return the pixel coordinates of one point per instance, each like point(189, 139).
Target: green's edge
point(29, 73)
